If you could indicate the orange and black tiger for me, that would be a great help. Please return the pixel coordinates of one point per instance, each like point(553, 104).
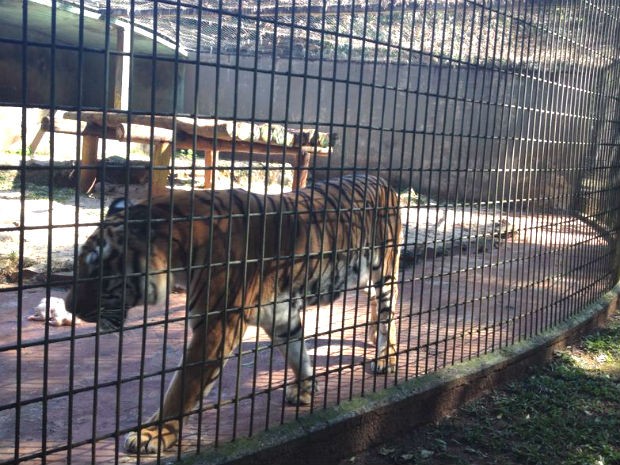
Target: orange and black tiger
point(247, 259)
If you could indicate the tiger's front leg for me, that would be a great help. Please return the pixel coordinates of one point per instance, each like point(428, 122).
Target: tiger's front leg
point(294, 349)
point(383, 328)
point(204, 357)
point(282, 323)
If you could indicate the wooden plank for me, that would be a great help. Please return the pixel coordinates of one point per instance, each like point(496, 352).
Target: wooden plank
point(117, 131)
point(317, 151)
point(61, 126)
point(143, 134)
point(97, 117)
point(264, 133)
point(209, 128)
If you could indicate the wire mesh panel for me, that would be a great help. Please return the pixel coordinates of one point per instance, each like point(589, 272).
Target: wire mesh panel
point(219, 217)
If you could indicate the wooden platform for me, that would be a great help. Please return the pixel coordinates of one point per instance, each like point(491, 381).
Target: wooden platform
point(266, 142)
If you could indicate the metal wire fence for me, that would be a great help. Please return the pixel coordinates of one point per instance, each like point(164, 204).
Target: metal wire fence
point(483, 139)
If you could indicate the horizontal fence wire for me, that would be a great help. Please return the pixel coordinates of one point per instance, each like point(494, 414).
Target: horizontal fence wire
point(238, 214)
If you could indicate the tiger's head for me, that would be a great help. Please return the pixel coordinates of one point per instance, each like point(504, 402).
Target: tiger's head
point(116, 270)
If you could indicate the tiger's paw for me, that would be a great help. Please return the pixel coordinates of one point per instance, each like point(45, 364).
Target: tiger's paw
point(152, 438)
point(301, 392)
point(384, 364)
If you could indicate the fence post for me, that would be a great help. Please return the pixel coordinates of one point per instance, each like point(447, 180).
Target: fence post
point(617, 251)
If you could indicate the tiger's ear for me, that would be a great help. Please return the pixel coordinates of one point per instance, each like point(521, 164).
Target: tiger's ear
point(118, 205)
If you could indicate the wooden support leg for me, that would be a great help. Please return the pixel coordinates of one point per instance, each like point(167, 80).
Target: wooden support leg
point(41, 132)
point(36, 140)
point(211, 157)
point(162, 153)
point(300, 174)
point(88, 169)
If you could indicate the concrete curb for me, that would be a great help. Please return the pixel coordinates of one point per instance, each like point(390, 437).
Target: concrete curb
point(329, 435)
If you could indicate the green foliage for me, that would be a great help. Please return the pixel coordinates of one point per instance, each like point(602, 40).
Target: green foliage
point(606, 342)
point(7, 179)
point(37, 192)
point(565, 413)
point(9, 266)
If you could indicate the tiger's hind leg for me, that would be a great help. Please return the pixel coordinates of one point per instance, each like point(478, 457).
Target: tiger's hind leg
point(204, 357)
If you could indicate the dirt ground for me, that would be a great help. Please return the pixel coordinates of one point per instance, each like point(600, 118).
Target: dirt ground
point(63, 386)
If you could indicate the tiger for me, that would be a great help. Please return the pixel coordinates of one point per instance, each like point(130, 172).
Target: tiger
point(246, 259)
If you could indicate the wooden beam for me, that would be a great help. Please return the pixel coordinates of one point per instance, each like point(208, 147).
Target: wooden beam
point(162, 152)
point(123, 68)
point(222, 130)
point(300, 173)
point(211, 157)
point(88, 165)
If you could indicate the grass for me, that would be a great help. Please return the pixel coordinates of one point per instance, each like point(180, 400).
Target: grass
point(7, 179)
point(9, 182)
point(9, 267)
point(565, 413)
point(38, 192)
point(34, 191)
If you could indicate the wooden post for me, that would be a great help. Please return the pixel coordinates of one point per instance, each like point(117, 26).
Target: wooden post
point(300, 173)
point(211, 157)
point(123, 67)
point(162, 152)
point(88, 167)
point(36, 140)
